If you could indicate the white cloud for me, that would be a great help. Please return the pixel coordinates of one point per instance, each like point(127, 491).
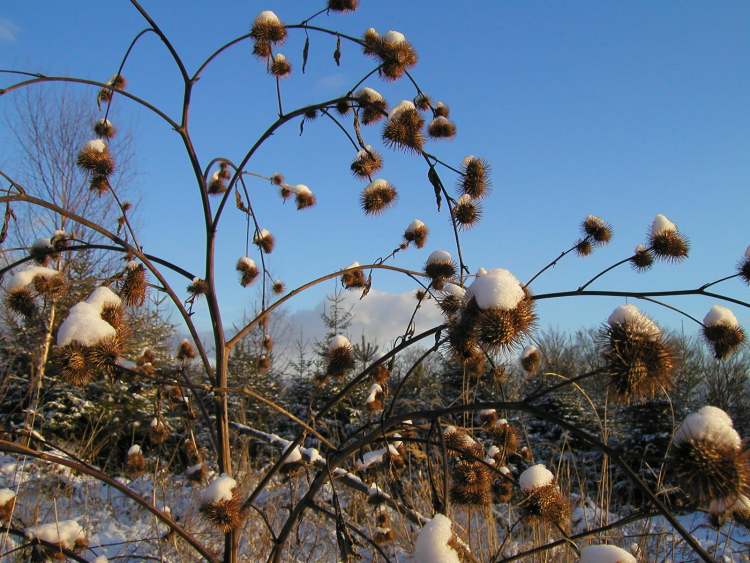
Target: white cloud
point(8, 30)
point(380, 316)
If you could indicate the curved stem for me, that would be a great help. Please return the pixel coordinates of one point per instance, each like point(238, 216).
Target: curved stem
point(551, 264)
point(600, 274)
point(42, 78)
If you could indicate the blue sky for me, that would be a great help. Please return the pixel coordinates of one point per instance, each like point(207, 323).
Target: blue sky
point(623, 110)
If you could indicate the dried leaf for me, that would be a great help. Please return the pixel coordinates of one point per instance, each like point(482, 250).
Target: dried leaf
point(301, 126)
point(437, 184)
point(337, 52)
point(239, 202)
point(6, 222)
point(305, 52)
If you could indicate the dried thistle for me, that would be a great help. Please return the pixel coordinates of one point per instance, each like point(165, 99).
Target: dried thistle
point(185, 352)
point(722, 331)
point(104, 128)
point(367, 162)
point(198, 287)
point(466, 212)
point(439, 267)
point(666, 241)
point(377, 196)
point(373, 105)
point(340, 356)
point(247, 269)
point(264, 239)
point(639, 360)
point(404, 128)
point(95, 157)
point(21, 301)
point(280, 67)
point(475, 179)
point(441, 128)
point(417, 233)
point(267, 30)
point(135, 464)
point(354, 279)
point(134, 284)
point(597, 229)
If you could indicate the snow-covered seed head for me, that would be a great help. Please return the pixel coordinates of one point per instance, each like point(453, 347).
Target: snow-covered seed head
point(264, 239)
point(377, 196)
point(506, 438)
point(216, 184)
point(367, 162)
point(707, 460)
point(605, 554)
point(666, 241)
point(500, 312)
point(372, 41)
point(531, 359)
point(437, 542)
point(439, 268)
point(134, 284)
point(135, 463)
point(422, 102)
point(303, 196)
point(395, 52)
point(597, 229)
point(459, 442)
point(452, 299)
point(441, 128)
point(267, 30)
point(94, 157)
point(185, 351)
point(278, 287)
point(41, 250)
point(466, 212)
point(373, 105)
point(197, 287)
point(375, 398)
point(221, 504)
point(404, 128)
point(342, 5)
point(7, 503)
point(639, 361)
point(104, 128)
point(475, 179)
point(340, 356)
point(354, 279)
point(158, 431)
point(642, 258)
point(416, 232)
point(247, 269)
point(471, 483)
point(544, 501)
point(722, 331)
point(441, 110)
point(280, 67)
point(277, 179)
